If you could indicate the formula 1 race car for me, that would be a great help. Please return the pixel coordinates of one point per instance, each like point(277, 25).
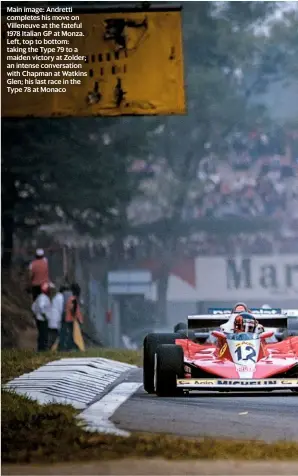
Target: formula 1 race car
point(177, 362)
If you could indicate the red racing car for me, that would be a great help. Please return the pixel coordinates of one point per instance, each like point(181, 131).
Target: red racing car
point(175, 363)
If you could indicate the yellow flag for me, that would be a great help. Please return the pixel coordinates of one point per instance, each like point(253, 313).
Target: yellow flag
point(77, 336)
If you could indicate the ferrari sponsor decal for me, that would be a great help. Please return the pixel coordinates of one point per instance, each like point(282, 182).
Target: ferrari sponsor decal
point(231, 382)
point(243, 368)
point(196, 382)
point(258, 382)
point(244, 342)
point(246, 382)
point(223, 349)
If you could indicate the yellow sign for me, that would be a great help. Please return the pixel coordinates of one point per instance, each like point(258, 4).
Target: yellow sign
point(77, 336)
point(132, 65)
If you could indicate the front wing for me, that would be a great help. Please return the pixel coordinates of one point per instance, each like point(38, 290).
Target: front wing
point(216, 384)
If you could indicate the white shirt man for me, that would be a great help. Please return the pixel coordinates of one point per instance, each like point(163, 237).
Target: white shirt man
point(56, 311)
point(41, 308)
point(55, 320)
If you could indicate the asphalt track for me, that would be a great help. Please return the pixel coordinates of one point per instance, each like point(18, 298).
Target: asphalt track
point(264, 416)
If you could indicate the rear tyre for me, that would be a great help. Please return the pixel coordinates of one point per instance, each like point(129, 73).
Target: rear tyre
point(181, 326)
point(151, 343)
point(169, 365)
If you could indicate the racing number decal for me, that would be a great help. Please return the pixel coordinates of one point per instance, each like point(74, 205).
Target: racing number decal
point(250, 353)
point(223, 349)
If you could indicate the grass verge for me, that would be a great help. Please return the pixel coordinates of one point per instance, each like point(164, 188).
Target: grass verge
point(17, 362)
point(33, 433)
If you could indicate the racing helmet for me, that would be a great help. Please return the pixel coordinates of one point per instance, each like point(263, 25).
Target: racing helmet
point(245, 322)
point(240, 307)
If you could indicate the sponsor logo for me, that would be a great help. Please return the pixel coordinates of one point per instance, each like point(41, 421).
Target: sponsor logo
point(291, 312)
point(223, 349)
point(248, 273)
point(242, 343)
point(196, 382)
point(187, 369)
point(242, 382)
point(254, 311)
point(257, 382)
point(242, 368)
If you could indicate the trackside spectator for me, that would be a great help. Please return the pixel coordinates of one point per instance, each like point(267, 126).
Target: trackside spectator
point(55, 321)
point(41, 308)
point(66, 293)
point(38, 272)
point(74, 317)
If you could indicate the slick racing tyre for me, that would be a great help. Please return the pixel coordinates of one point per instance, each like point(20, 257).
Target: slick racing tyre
point(181, 326)
point(169, 364)
point(151, 342)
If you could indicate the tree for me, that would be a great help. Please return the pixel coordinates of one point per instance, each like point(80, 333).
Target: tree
point(228, 61)
point(60, 170)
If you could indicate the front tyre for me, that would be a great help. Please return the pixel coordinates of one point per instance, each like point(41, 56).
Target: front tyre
point(151, 343)
point(169, 365)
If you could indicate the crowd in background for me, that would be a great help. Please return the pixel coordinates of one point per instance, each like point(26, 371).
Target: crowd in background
point(259, 178)
point(201, 244)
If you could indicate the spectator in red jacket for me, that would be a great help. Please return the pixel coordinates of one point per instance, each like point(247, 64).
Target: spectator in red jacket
point(38, 272)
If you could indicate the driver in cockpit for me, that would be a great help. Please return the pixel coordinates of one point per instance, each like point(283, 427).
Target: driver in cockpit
point(229, 325)
point(245, 322)
point(240, 309)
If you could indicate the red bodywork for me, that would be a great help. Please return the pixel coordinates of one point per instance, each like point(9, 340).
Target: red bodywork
point(216, 359)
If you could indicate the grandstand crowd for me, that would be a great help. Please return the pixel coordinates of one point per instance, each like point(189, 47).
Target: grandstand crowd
point(257, 178)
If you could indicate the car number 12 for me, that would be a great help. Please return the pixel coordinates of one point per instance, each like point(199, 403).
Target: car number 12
point(248, 354)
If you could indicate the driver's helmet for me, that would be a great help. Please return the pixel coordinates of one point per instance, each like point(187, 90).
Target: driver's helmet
point(240, 307)
point(245, 322)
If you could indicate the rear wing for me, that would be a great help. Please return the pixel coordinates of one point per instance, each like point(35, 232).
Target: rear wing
point(290, 312)
point(206, 321)
point(257, 311)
